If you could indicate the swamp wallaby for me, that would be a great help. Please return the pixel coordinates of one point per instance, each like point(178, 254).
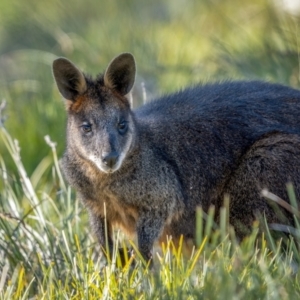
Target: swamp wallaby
point(153, 166)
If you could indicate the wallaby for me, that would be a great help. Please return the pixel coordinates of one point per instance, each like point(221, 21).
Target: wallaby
point(146, 170)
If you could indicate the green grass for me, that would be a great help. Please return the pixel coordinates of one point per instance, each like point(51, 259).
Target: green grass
point(46, 248)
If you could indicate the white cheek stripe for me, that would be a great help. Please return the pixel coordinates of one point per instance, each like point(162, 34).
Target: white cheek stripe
point(96, 161)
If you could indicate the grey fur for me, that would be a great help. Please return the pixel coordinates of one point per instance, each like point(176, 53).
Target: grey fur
point(178, 152)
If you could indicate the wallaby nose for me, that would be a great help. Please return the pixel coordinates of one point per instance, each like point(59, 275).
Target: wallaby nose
point(110, 159)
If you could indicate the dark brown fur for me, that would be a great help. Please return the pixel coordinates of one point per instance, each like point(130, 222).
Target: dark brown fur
point(147, 170)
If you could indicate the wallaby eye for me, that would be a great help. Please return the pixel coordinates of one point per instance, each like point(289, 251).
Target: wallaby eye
point(86, 128)
point(122, 127)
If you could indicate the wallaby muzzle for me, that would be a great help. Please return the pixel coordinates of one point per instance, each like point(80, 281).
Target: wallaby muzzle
point(110, 159)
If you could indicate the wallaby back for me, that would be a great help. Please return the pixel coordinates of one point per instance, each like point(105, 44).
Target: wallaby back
point(147, 170)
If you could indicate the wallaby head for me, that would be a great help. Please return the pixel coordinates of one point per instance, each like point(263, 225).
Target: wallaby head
point(100, 122)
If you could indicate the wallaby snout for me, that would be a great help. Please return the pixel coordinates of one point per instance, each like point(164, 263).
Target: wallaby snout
point(107, 150)
point(109, 145)
point(110, 159)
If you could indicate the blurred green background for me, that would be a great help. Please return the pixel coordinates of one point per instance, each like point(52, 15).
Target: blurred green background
point(176, 43)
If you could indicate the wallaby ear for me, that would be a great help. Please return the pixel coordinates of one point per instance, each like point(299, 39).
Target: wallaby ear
point(120, 73)
point(70, 80)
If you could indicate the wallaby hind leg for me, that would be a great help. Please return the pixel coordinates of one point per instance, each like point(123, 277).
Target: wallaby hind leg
point(270, 163)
